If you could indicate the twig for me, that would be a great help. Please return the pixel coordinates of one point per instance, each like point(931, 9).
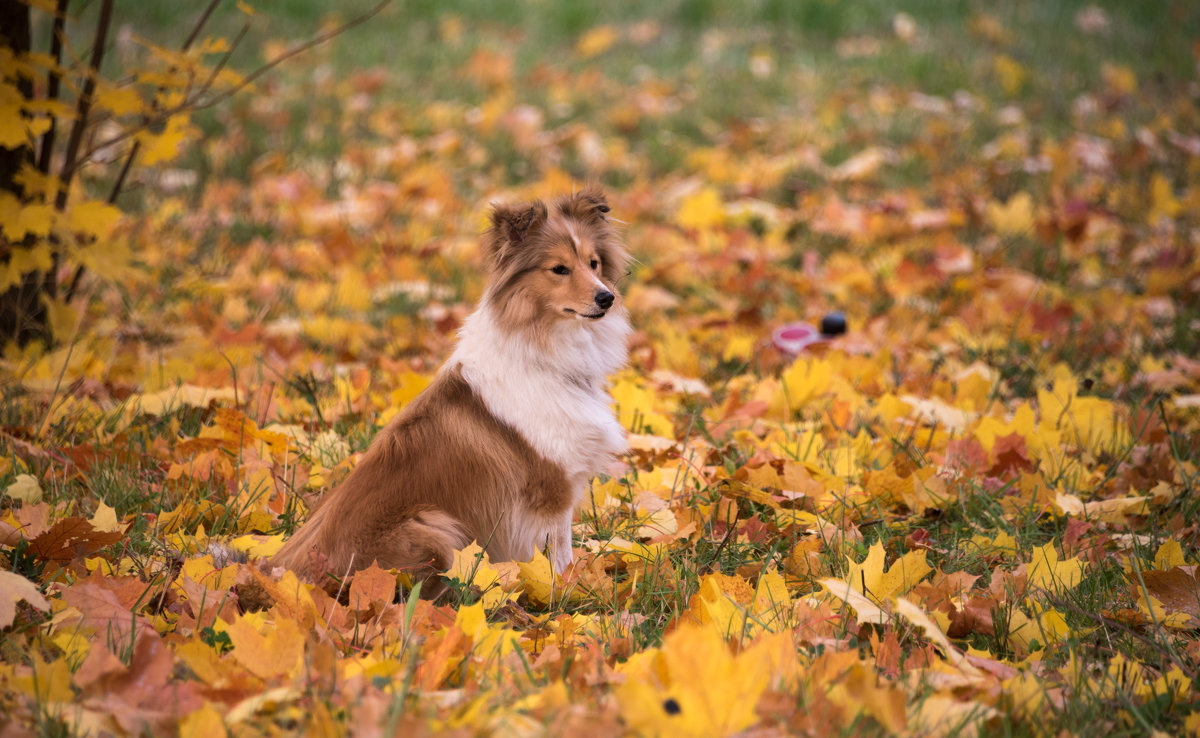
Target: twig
point(83, 106)
point(294, 51)
point(82, 109)
point(119, 184)
point(53, 80)
point(195, 103)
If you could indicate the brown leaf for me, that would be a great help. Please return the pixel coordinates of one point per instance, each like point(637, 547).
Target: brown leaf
point(974, 617)
point(1176, 588)
point(70, 538)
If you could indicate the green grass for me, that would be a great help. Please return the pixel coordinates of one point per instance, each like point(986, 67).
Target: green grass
point(719, 100)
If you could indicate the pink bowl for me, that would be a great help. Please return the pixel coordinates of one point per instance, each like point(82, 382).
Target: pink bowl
point(794, 337)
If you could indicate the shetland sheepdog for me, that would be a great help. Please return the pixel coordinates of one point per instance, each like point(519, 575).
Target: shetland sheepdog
point(501, 446)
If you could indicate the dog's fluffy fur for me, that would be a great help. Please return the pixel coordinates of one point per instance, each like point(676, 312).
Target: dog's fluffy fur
point(500, 447)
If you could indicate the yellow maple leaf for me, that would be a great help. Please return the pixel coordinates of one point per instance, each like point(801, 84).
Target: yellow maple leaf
point(275, 651)
point(635, 409)
point(1169, 554)
point(472, 566)
point(1047, 572)
point(539, 580)
point(1045, 628)
point(1014, 218)
point(259, 546)
point(18, 219)
point(804, 381)
point(701, 210)
point(203, 723)
point(13, 132)
point(105, 520)
point(695, 686)
point(870, 578)
point(119, 100)
point(1089, 422)
point(160, 147)
point(93, 217)
point(736, 610)
point(47, 682)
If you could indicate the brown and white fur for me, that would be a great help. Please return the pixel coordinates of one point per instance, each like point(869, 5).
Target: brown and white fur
point(501, 446)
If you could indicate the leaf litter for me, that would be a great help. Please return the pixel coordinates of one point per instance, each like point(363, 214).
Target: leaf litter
point(976, 508)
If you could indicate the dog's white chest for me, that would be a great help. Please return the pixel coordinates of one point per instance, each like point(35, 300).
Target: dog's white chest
point(556, 401)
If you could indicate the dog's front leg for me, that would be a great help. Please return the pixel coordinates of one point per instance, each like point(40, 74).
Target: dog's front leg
point(561, 554)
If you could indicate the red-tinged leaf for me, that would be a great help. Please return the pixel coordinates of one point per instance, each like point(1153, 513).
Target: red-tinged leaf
point(919, 538)
point(33, 520)
point(97, 668)
point(1012, 456)
point(71, 538)
point(102, 611)
point(143, 698)
point(131, 592)
point(966, 456)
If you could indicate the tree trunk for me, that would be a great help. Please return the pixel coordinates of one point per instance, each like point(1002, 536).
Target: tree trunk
point(22, 316)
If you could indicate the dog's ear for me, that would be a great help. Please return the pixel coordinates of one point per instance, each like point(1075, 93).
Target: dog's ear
point(587, 204)
point(513, 225)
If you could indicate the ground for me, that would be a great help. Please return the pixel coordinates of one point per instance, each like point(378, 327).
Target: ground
point(974, 512)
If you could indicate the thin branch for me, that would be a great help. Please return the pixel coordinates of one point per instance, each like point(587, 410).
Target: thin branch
point(82, 109)
point(187, 44)
point(195, 103)
point(119, 184)
point(84, 105)
point(133, 150)
point(216, 71)
point(53, 80)
point(294, 51)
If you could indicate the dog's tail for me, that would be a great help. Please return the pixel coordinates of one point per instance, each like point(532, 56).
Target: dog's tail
point(423, 545)
point(295, 554)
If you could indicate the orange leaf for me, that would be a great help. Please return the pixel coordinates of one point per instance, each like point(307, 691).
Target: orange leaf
point(372, 587)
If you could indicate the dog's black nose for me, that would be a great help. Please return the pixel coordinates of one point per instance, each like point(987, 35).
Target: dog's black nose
point(604, 299)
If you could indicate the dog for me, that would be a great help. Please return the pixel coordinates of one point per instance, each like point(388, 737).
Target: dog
point(502, 444)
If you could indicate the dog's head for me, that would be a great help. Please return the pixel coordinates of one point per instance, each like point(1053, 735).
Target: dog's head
point(561, 261)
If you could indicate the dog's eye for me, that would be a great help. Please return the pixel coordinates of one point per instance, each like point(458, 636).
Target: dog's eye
point(595, 263)
point(561, 270)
